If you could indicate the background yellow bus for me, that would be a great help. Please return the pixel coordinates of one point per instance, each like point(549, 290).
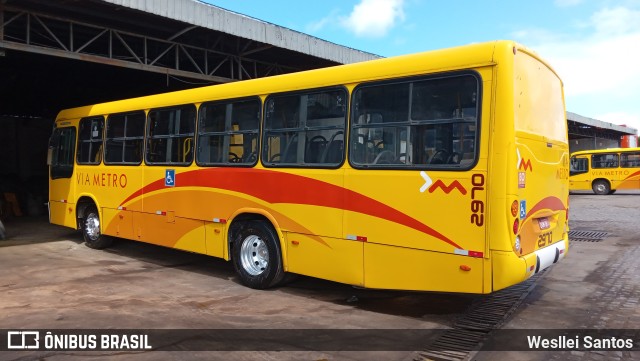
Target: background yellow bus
point(440, 171)
point(605, 170)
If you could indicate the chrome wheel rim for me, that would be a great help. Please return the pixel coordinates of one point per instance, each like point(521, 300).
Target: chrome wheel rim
point(601, 188)
point(92, 226)
point(254, 255)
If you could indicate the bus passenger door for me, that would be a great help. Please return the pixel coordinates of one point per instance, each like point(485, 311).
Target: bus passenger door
point(61, 182)
point(579, 177)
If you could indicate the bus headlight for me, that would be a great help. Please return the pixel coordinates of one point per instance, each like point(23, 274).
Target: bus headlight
point(517, 244)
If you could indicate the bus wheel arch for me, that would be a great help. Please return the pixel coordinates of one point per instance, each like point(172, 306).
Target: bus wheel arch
point(89, 222)
point(82, 204)
point(256, 251)
point(601, 186)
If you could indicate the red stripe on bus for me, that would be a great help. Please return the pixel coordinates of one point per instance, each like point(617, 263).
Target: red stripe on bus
point(281, 187)
point(632, 175)
point(551, 203)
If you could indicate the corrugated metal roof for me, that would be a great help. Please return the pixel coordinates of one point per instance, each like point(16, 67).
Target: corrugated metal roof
point(212, 17)
point(600, 124)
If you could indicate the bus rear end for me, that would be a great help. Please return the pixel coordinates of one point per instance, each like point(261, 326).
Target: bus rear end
point(537, 170)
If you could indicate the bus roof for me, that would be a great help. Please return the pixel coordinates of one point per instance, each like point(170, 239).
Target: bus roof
point(468, 56)
point(607, 150)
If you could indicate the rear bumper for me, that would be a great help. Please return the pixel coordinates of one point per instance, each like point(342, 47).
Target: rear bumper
point(549, 255)
point(509, 269)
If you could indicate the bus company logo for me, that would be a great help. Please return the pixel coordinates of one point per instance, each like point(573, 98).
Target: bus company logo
point(23, 340)
point(526, 164)
point(432, 187)
point(447, 188)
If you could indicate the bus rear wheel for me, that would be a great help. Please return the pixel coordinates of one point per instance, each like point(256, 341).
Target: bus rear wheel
point(601, 187)
point(256, 255)
point(91, 233)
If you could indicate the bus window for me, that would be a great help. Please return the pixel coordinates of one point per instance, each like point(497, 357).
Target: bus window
point(170, 135)
point(579, 165)
point(90, 140)
point(305, 129)
point(124, 138)
point(605, 160)
point(426, 123)
point(228, 132)
point(62, 146)
point(630, 160)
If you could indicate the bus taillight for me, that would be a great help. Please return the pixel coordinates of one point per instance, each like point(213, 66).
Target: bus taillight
point(514, 208)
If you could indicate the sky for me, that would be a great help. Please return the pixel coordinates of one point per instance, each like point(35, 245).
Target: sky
point(594, 45)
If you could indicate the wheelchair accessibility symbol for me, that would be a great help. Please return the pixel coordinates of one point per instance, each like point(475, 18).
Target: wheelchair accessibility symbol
point(170, 178)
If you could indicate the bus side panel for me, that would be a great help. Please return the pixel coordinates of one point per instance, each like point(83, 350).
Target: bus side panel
point(118, 223)
point(62, 214)
point(332, 259)
point(389, 267)
point(62, 201)
point(110, 185)
point(634, 181)
point(395, 208)
point(170, 231)
point(629, 178)
point(215, 241)
point(162, 220)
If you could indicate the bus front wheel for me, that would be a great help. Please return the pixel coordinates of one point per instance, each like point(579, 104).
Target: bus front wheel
point(601, 187)
point(256, 255)
point(93, 238)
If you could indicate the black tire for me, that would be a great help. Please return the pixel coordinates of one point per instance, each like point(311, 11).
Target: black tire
point(256, 255)
point(601, 187)
point(92, 230)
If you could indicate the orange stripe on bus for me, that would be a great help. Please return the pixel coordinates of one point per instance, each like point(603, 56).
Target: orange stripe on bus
point(279, 187)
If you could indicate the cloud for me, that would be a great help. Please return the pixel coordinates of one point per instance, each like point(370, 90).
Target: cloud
point(374, 18)
point(616, 21)
point(603, 61)
point(599, 66)
point(596, 65)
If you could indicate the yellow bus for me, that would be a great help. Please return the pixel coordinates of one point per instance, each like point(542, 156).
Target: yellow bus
point(440, 171)
point(605, 170)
